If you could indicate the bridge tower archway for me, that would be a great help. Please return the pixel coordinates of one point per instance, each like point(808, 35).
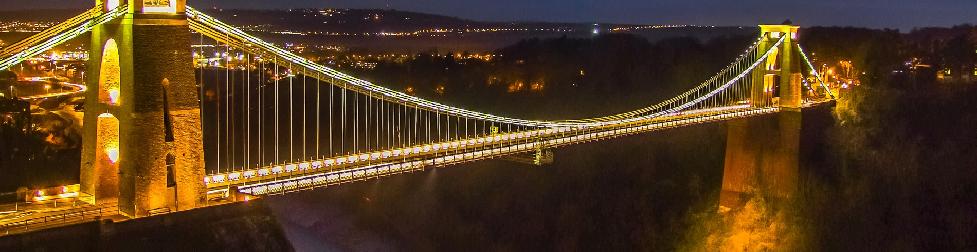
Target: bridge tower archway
point(147, 85)
point(101, 153)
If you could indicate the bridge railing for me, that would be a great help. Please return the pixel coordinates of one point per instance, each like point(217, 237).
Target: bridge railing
point(57, 36)
point(308, 179)
point(60, 218)
point(414, 153)
point(825, 93)
point(50, 32)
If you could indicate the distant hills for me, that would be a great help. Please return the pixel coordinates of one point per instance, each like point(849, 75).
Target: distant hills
point(325, 20)
point(403, 31)
point(38, 15)
point(365, 21)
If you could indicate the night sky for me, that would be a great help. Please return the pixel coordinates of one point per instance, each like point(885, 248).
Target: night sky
point(903, 14)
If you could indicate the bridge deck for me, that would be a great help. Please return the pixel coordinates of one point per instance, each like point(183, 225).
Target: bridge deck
point(337, 170)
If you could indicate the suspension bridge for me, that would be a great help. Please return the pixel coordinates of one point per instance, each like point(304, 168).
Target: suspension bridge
point(167, 81)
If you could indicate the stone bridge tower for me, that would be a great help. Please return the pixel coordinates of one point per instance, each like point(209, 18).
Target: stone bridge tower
point(142, 141)
point(762, 154)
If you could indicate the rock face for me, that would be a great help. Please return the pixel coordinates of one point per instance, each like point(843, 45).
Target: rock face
point(246, 226)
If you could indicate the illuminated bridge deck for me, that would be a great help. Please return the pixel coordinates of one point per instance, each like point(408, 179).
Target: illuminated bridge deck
point(319, 173)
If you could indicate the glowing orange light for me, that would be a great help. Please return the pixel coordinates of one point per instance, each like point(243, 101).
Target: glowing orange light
point(537, 86)
point(516, 86)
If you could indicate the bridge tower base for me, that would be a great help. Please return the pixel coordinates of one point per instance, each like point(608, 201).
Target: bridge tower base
point(762, 154)
point(145, 149)
point(762, 157)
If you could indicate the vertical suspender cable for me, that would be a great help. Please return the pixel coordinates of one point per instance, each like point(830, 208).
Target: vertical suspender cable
point(331, 84)
point(342, 118)
point(261, 109)
point(318, 112)
point(247, 72)
point(304, 114)
point(376, 123)
point(228, 149)
point(217, 104)
point(276, 122)
point(291, 113)
point(367, 117)
point(356, 122)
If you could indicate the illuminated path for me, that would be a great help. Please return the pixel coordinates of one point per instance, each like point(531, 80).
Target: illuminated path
point(75, 89)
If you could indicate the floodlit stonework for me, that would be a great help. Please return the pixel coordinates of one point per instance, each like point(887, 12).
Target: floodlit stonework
point(146, 75)
point(762, 153)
